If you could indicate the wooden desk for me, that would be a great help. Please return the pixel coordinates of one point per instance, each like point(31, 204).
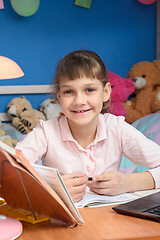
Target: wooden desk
point(99, 223)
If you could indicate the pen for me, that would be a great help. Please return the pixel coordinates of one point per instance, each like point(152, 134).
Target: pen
point(89, 179)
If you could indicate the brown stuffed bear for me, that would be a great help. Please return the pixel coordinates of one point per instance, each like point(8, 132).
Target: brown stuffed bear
point(23, 116)
point(146, 78)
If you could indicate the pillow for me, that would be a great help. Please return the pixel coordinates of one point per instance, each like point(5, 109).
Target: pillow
point(11, 131)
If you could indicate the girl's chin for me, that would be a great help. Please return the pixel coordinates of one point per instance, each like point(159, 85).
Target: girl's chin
point(82, 121)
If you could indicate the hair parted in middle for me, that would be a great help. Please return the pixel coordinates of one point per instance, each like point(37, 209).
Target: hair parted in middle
point(81, 64)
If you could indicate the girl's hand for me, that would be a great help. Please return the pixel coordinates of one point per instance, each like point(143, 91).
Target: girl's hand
point(76, 184)
point(109, 183)
point(113, 182)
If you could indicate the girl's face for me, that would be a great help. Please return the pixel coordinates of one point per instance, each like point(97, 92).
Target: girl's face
point(82, 100)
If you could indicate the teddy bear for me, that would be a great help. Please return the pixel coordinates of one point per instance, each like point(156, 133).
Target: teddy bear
point(146, 78)
point(122, 88)
point(51, 108)
point(6, 138)
point(22, 115)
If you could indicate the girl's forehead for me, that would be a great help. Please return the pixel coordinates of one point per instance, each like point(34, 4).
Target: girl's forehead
point(79, 81)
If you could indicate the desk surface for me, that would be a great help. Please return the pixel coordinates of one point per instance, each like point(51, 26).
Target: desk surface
point(99, 223)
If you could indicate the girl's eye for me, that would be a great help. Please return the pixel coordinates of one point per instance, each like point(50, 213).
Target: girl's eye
point(89, 90)
point(67, 92)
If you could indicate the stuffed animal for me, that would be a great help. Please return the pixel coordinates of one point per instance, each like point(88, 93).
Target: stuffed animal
point(146, 78)
point(6, 138)
point(23, 116)
point(122, 88)
point(51, 108)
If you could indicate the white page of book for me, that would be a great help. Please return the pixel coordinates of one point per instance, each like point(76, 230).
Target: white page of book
point(54, 179)
point(94, 200)
point(91, 199)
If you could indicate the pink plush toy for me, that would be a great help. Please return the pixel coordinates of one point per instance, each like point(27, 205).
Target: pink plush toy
point(122, 88)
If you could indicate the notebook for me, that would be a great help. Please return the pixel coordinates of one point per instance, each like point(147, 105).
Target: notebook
point(145, 207)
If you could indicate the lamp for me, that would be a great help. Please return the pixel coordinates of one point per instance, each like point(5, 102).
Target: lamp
point(9, 69)
point(10, 228)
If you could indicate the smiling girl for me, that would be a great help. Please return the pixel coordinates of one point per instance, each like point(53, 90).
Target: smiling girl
point(87, 141)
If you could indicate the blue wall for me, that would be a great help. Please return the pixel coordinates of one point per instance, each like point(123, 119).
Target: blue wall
point(122, 32)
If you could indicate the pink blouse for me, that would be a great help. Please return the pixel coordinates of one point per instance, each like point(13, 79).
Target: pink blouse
point(53, 142)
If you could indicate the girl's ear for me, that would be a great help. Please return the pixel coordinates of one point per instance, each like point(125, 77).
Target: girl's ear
point(107, 92)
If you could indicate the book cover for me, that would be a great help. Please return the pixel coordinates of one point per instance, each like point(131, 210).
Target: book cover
point(22, 187)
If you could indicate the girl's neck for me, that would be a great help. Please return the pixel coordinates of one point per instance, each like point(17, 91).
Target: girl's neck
point(84, 135)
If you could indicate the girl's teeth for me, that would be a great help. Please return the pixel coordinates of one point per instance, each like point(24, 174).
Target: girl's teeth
point(81, 111)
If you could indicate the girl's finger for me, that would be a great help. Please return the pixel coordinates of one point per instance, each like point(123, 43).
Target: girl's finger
point(78, 181)
point(78, 197)
point(99, 184)
point(101, 191)
point(102, 177)
point(78, 189)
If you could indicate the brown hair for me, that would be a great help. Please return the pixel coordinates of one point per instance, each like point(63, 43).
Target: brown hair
point(79, 64)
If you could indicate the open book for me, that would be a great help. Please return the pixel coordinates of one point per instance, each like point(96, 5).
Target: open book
point(91, 199)
point(22, 187)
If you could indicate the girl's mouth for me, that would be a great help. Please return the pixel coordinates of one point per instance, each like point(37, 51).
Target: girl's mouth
point(81, 111)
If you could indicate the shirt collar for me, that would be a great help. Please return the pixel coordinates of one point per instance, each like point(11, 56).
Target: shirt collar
point(67, 135)
point(101, 129)
point(65, 130)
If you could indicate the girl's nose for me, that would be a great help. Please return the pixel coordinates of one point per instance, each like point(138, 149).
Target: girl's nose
point(80, 99)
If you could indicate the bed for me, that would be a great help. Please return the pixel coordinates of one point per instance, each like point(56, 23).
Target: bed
point(149, 125)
